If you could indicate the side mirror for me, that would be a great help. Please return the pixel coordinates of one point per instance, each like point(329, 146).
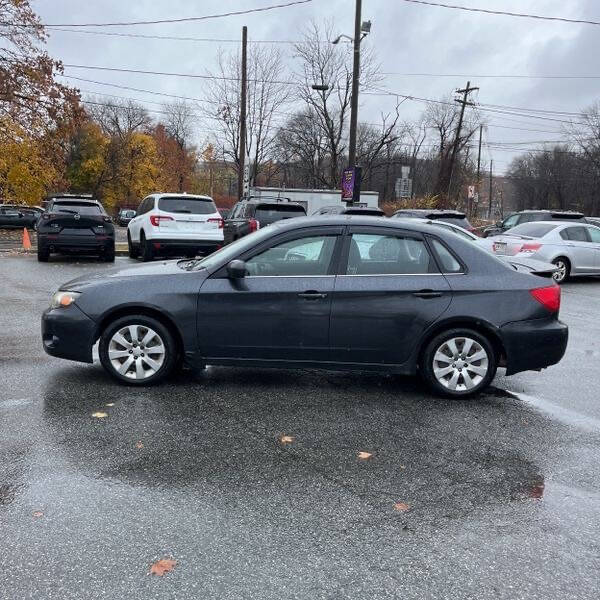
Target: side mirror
point(236, 269)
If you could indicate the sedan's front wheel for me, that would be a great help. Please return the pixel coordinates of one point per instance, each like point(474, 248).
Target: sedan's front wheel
point(137, 350)
point(458, 363)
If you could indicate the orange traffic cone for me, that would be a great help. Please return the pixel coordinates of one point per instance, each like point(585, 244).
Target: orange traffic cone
point(26, 240)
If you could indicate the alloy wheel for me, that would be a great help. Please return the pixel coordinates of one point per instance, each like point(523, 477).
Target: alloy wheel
point(561, 273)
point(460, 364)
point(136, 352)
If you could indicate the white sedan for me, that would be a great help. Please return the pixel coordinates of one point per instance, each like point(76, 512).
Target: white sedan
point(573, 248)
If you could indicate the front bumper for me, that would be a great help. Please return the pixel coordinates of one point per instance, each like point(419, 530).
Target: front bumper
point(68, 333)
point(534, 345)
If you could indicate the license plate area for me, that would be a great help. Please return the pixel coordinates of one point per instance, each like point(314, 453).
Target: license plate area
point(500, 247)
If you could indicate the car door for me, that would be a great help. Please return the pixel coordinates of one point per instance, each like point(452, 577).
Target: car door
point(581, 251)
point(594, 233)
point(10, 217)
point(280, 311)
point(388, 292)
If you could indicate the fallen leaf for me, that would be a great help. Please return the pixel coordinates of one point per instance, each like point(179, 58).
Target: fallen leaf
point(162, 566)
point(139, 445)
point(38, 513)
point(110, 404)
point(286, 439)
point(401, 507)
point(99, 415)
point(364, 455)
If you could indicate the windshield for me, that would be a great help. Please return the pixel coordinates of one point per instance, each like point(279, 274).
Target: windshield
point(128, 213)
point(535, 230)
point(229, 252)
point(188, 205)
point(82, 208)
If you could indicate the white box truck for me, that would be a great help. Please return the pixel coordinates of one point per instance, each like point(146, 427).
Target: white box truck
point(313, 200)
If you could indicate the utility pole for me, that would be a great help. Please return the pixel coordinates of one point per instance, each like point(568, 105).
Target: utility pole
point(464, 102)
point(491, 189)
point(478, 188)
point(355, 81)
point(242, 157)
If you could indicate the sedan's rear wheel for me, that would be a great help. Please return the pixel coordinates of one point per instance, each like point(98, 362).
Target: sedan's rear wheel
point(458, 363)
point(137, 350)
point(563, 269)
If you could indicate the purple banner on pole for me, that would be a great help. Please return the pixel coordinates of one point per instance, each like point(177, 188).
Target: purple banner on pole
point(348, 184)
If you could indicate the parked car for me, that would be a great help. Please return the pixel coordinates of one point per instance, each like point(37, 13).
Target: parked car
point(371, 294)
point(124, 217)
point(181, 224)
point(527, 216)
point(224, 212)
point(524, 264)
point(573, 248)
point(449, 216)
point(71, 225)
point(247, 216)
point(365, 211)
point(16, 215)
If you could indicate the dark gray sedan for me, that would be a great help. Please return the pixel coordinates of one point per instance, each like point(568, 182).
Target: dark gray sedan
point(365, 293)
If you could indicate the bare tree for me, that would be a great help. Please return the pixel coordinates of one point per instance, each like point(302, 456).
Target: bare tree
point(119, 118)
point(267, 95)
point(179, 121)
point(330, 66)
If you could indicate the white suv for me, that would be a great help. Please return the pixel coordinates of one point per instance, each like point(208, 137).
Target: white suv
point(175, 223)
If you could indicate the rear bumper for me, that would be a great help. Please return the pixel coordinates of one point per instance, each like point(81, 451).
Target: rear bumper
point(76, 243)
point(170, 244)
point(532, 345)
point(68, 333)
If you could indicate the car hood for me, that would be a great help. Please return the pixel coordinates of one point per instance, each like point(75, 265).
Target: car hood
point(155, 269)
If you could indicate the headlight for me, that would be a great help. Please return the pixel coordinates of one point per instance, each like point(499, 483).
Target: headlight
point(63, 299)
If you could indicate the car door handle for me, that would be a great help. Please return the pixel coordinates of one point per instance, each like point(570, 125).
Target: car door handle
point(427, 294)
point(312, 295)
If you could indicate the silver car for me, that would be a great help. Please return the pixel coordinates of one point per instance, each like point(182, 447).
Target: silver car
point(573, 248)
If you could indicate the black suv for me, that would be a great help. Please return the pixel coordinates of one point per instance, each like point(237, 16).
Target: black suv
point(454, 217)
point(77, 225)
point(249, 215)
point(526, 216)
point(365, 211)
point(124, 217)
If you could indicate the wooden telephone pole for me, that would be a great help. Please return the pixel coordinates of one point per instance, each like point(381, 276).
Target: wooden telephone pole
point(244, 90)
point(464, 103)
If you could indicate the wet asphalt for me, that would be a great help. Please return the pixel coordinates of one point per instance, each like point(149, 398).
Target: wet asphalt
point(499, 497)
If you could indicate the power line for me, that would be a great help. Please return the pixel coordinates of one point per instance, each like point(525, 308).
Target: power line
point(503, 12)
point(176, 37)
point(495, 76)
point(162, 21)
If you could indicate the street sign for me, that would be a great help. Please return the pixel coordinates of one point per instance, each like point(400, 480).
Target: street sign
point(246, 186)
point(403, 187)
point(471, 192)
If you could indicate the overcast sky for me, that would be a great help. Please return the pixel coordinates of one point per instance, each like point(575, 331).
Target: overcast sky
point(407, 38)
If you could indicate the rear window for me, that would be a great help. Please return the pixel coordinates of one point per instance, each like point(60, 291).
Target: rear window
point(272, 212)
point(535, 230)
point(185, 204)
point(362, 211)
point(128, 213)
point(459, 221)
point(82, 208)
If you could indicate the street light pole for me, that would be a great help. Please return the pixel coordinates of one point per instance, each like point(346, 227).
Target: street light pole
point(355, 81)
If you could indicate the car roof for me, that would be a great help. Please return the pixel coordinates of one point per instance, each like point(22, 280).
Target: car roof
point(75, 200)
point(438, 212)
point(180, 195)
point(566, 213)
point(417, 225)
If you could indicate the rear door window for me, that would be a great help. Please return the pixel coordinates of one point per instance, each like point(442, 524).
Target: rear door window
point(577, 234)
point(187, 205)
point(268, 213)
point(373, 254)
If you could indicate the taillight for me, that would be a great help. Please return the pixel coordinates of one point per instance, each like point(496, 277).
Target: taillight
point(254, 225)
point(548, 297)
point(217, 220)
point(156, 219)
point(530, 247)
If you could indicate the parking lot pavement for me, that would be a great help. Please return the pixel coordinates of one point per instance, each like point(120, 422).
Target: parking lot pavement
point(496, 497)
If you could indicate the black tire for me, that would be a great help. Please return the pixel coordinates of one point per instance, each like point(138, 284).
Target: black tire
point(42, 253)
point(147, 250)
point(108, 256)
point(468, 382)
point(564, 269)
point(144, 324)
point(134, 252)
